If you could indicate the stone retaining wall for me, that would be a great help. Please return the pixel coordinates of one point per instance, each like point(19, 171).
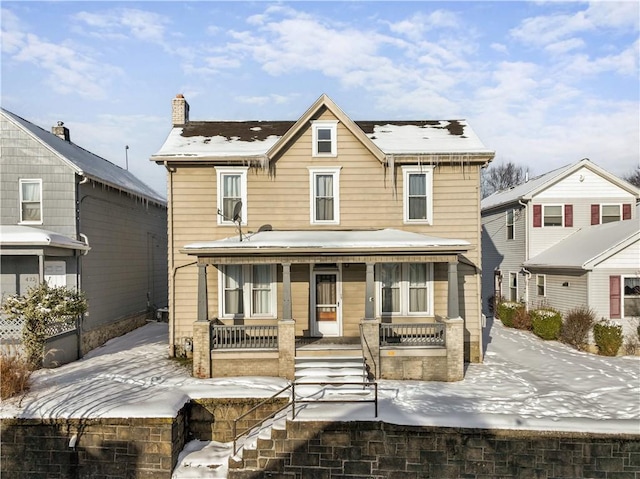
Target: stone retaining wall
point(94, 338)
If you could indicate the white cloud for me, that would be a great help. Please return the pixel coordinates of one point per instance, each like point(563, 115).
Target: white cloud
point(263, 100)
point(565, 46)
point(499, 47)
point(420, 23)
point(126, 22)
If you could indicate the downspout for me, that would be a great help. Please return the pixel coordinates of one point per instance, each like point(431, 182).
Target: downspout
point(171, 261)
point(526, 237)
point(84, 238)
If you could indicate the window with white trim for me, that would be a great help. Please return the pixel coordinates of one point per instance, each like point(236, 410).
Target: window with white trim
point(631, 297)
point(247, 291)
point(232, 188)
point(324, 185)
point(31, 201)
point(510, 220)
point(513, 287)
point(325, 137)
point(552, 215)
point(610, 213)
point(405, 289)
point(418, 194)
point(541, 284)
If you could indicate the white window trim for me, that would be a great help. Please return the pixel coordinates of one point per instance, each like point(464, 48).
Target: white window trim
point(238, 170)
point(513, 223)
point(428, 172)
point(247, 294)
point(335, 171)
point(544, 284)
point(602, 205)
point(622, 296)
point(20, 201)
point(544, 207)
point(324, 124)
point(511, 275)
point(404, 293)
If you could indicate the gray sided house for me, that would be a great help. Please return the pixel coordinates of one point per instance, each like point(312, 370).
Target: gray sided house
point(72, 218)
point(565, 239)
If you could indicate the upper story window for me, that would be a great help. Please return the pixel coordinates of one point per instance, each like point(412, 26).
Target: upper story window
point(552, 215)
point(611, 213)
point(232, 188)
point(31, 201)
point(405, 289)
point(325, 137)
point(418, 194)
point(247, 291)
point(325, 195)
point(510, 221)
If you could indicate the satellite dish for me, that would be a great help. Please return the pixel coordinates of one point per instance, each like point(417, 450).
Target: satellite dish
point(237, 209)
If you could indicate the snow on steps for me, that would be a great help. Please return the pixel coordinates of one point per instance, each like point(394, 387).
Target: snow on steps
point(326, 369)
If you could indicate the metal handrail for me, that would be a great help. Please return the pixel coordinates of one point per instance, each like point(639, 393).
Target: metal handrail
point(237, 436)
point(364, 384)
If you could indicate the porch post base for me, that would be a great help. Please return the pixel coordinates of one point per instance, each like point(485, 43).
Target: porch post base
point(370, 339)
point(286, 349)
point(455, 348)
point(202, 349)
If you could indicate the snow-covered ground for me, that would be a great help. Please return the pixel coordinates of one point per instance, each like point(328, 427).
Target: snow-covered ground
point(524, 383)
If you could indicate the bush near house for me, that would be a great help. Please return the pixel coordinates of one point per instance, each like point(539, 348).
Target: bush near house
point(522, 319)
point(577, 324)
point(506, 312)
point(14, 375)
point(608, 337)
point(546, 323)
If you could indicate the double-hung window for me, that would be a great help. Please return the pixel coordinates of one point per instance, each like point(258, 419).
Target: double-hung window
point(541, 284)
point(610, 213)
point(247, 291)
point(232, 195)
point(324, 184)
point(418, 197)
point(31, 201)
point(510, 220)
point(631, 297)
point(405, 289)
point(552, 215)
point(325, 137)
point(513, 287)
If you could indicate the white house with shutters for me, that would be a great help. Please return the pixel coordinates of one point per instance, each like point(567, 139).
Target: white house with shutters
point(568, 238)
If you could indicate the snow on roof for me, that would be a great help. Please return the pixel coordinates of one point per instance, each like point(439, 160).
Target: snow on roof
point(330, 240)
point(18, 235)
point(87, 163)
point(588, 246)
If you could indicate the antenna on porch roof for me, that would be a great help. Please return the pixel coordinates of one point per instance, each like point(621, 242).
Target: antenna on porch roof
point(236, 218)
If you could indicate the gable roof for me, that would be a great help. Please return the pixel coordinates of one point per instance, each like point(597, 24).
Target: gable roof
point(527, 190)
point(85, 163)
point(588, 246)
point(265, 140)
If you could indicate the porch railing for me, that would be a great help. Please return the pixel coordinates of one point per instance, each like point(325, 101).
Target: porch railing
point(412, 334)
point(244, 337)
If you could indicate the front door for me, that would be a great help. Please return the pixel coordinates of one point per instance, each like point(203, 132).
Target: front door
point(325, 303)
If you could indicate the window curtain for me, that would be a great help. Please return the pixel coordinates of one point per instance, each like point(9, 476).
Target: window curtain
point(390, 279)
point(231, 194)
point(261, 289)
point(324, 197)
point(417, 197)
point(233, 282)
point(417, 287)
point(31, 202)
point(631, 297)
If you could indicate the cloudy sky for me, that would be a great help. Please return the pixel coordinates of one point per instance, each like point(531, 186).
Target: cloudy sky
point(544, 84)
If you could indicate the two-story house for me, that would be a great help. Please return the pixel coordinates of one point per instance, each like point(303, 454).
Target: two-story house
point(74, 219)
point(566, 239)
point(285, 232)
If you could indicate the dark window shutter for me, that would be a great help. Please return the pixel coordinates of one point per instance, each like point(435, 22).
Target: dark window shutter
point(626, 211)
point(595, 214)
point(614, 296)
point(568, 215)
point(537, 216)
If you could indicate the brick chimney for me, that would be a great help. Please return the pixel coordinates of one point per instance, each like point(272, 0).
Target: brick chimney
point(61, 131)
point(179, 111)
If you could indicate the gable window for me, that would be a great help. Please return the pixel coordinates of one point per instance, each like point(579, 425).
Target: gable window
point(247, 291)
point(31, 201)
point(631, 297)
point(325, 137)
point(541, 284)
point(325, 195)
point(418, 197)
point(405, 289)
point(510, 216)
point(232, 189)
point(552, 215)
point(513, 287)
point(610, 213)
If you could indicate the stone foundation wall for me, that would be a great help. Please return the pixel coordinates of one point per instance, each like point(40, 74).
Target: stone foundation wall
point(97, 337)
point(377, 450)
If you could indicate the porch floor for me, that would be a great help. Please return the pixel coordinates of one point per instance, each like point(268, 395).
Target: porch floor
point(337, 342)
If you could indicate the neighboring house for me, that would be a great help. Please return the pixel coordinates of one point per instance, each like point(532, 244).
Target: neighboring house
point(282, 232)
point(74, 219)
point(565, 239)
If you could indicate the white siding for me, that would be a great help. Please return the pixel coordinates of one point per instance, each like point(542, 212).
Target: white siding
point(584, 183)
point(564, 291)
point(626, 260)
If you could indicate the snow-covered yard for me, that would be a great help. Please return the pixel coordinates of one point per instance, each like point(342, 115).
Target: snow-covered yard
point(524, 383)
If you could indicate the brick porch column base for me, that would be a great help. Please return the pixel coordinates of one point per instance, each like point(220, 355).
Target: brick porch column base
point(286, 348)
point(202, 349)
point(370, 339)
point(455, 348)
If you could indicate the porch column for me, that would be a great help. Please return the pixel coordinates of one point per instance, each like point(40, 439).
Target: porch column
point(453, 310)
point(286, 292)
point(369, 293)
point(203, 303)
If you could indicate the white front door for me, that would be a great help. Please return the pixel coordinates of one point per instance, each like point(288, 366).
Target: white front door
point(325, 303)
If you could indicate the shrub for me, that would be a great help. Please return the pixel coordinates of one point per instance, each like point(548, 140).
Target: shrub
point(632, 342)
point(506, 311)
point(521, 319)
point(14, 375)
point(608, 337)
point(546, 323)
point(577, 324)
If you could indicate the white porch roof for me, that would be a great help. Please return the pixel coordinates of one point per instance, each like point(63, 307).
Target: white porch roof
point(19, 235)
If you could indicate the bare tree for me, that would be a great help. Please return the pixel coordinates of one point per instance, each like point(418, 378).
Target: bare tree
point(501, 177)
point(633, 177)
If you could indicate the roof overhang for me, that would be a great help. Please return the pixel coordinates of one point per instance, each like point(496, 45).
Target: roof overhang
point(27, 236)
